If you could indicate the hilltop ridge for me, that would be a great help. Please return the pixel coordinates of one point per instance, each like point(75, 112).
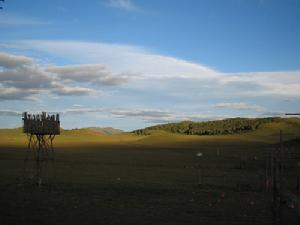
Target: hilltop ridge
point(219, 127)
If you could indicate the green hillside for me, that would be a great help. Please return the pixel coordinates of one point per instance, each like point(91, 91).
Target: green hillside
point(220, 127)
point(174, 134)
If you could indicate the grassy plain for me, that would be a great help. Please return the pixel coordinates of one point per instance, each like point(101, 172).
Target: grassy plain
point(136, 179)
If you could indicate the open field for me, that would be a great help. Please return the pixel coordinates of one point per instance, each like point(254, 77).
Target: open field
point(136, 179)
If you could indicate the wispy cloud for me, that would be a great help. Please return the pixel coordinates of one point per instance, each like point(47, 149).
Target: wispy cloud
point(77, 105)
point(11, 19)
point(239, 106)
point(278, 83)
point(150, 116)
point(126, 59)
point(8, 112)
point(126, 5)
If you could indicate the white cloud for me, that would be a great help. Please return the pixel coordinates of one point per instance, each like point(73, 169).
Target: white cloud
point(147, 115)
point(149, 81)
point(122, 59)
point(126, 5)
point(73, 90)
point(12, 61)
point(93, 73)
point(22, 78)
point(239, 106)
point(26, 77)
point(12, 93)
point(282, 83)
point(136, 63)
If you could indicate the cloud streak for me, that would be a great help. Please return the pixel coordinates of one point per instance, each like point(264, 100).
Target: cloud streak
point(8, 112)
point(126, 5)
point(147, 115)
point(239, 106)
point(282, 83)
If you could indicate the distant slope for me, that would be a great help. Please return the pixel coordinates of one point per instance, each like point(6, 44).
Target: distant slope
point(231, 131)
point(16, 137)
point(105, 130)
point(221, 127)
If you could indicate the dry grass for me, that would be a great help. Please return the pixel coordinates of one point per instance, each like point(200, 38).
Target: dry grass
point(130, 179)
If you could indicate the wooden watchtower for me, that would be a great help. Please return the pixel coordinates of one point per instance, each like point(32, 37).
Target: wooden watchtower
point(40, 130)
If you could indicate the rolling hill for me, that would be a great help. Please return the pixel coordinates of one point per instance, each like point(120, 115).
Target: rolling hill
point(105, 130)
point(236, 130)
point(221, 127)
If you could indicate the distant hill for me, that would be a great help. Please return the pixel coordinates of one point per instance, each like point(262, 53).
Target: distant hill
point(219, 127)
point(15, 136)
point(105, 130)
point(238, 131)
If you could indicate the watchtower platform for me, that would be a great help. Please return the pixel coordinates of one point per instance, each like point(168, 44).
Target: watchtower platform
point(41, 130)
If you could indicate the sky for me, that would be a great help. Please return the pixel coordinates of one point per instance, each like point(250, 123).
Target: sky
point(129, 64)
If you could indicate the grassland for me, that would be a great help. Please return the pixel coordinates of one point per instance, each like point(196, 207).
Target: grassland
point(144, 179)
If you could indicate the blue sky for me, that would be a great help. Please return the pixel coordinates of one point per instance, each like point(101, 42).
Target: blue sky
point(133, 63)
